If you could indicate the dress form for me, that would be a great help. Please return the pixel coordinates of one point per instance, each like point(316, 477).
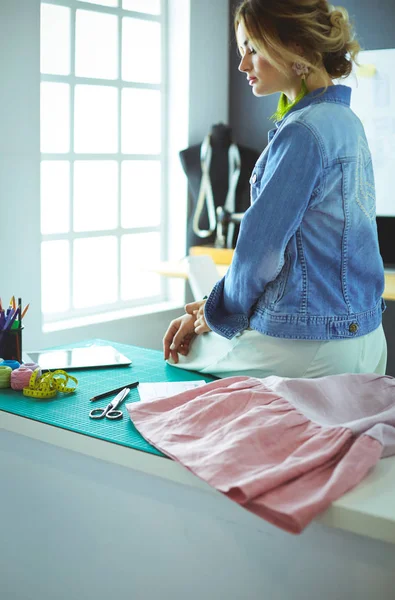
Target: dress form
point(220, 139)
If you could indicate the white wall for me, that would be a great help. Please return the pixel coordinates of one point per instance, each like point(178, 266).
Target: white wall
point(75, 527)
point(20, 154)
point(207, 24)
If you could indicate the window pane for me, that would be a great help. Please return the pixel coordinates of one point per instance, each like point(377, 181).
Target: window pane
point(136, 251)
point(55, 39)
point(96, 45)
point(55, 272)
point(55, 196)
point(95, 195)
point(147, 6)
point(141, 121)
point(141, 193)
point(55, 117)
point(138, 34)
point(95, 271)
point(102, 2)
point(96, 119)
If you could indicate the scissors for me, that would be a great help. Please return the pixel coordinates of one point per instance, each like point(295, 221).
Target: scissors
point(109, 411)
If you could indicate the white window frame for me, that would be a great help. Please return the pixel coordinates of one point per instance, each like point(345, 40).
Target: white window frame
point(120, 305)
point(197, 98)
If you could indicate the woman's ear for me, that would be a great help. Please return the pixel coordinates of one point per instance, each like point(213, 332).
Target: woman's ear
point(297, 48)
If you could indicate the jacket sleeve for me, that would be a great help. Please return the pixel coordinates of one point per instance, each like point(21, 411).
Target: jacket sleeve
point(292, 174)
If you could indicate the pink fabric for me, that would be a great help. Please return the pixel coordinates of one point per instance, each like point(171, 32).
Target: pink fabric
point(253, 445)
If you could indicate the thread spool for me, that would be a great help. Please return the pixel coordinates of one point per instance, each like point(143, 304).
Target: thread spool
point(20, 377)
point(13, 364)
point(33, 366)
point(5, 376)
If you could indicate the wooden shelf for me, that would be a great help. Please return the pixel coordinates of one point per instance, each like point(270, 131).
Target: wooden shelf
point(179, 270)
point(223, 257)
point(389, 289)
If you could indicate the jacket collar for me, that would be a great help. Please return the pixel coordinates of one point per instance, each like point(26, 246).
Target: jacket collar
point(334, 93)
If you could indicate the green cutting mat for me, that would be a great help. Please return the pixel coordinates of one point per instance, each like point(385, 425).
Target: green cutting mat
point(71, 411)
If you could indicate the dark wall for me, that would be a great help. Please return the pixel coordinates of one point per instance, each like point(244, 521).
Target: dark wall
point(374, 24)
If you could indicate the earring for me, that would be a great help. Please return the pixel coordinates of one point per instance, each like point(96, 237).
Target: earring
point(300, 69)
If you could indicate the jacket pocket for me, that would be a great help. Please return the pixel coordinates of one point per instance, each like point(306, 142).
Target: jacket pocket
point(274, 291)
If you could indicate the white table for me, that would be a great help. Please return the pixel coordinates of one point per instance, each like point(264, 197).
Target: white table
point(86, 519)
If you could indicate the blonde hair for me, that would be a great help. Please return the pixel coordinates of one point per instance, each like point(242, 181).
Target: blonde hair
point(324, 33)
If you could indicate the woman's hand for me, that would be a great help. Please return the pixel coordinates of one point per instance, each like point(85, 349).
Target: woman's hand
point(181, 331)
point(197, 309)
point(179, 336)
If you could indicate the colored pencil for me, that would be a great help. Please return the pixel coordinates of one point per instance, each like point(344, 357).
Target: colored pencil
point(105, 394)
point(25, 310)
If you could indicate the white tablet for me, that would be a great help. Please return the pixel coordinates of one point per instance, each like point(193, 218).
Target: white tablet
point(88, 357)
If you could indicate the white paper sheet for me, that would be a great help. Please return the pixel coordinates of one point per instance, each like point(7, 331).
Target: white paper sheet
point(154, 391)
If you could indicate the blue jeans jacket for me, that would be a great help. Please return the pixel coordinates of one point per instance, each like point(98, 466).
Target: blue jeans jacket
point(307, 263)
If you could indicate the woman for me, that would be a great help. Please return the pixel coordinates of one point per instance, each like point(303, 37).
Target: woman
point(302, 297)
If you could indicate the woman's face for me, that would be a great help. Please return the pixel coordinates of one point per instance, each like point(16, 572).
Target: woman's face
point(262, 76)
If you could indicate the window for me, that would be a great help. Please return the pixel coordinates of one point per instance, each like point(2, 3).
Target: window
point(103, 135)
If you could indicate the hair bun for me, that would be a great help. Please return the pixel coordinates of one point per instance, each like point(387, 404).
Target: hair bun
point(337, 19)
point(323, 31)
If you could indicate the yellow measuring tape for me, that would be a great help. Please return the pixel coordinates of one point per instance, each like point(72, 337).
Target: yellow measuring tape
point(49, 384)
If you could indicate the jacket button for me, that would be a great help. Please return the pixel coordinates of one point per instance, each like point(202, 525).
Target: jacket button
point(353, 328)
point(254, 178)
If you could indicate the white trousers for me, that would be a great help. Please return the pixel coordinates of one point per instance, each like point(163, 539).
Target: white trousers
point(257, 355)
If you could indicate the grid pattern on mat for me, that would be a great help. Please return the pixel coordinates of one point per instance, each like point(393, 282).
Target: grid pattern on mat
point(71, 411)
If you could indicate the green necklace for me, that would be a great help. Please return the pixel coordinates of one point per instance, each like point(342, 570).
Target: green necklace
point(284, 105)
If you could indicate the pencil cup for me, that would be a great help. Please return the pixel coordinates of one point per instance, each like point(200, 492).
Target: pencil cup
point(11, 344)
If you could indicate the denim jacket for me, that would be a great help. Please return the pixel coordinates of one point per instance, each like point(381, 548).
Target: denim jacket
point(307, 263)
